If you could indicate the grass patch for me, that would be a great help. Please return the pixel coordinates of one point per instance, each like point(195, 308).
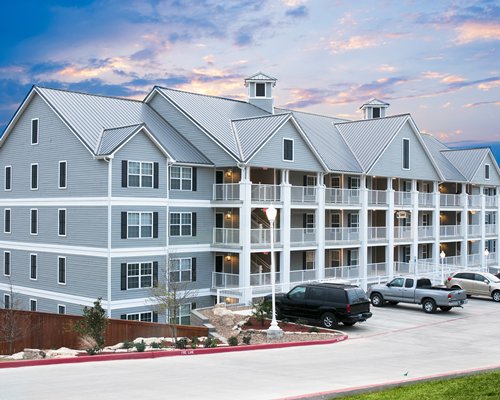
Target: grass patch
point(484, 386)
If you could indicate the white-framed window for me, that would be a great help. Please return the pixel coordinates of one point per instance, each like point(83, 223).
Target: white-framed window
point(61, 309)
point(376, 112)
point(35, 124)
point(180, 269)
point(139, 275)
point(335, 220)
point(7, 220)
point(335, 182)
point(353, 220)
point(183, 314)
point(139, 225)
point(310, 223)
point(311, 182)
point(353, 182)
point(426, 219)
point(34, 176)
point(34, 221)
point(33, 305)
point(7, 185)
point(143, 316)
point(6, 301)
point(61, 270)
point(335, 258)
point(181, 224)
point(6, 263)
point(33, 267)
point(310, 260)
point(140, 174)
point(487, 171)
point(181, 178)
point(406, 153)
point(353, 257)
point(63, 175)
point(260, 89)
point(61, 217)
point(426, 251)
point(407, 254)
point(288, 152)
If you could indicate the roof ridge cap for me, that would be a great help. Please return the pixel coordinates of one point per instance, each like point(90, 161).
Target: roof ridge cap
point(87, 94)
point(260, 116)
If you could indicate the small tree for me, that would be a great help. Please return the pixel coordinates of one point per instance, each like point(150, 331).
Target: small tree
point(92, 327)
point(13, 325)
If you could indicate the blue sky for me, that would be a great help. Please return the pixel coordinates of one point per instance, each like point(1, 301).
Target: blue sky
point(438, 60)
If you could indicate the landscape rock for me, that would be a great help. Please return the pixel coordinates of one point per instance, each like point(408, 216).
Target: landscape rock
point(61, 353)
point(33, 354)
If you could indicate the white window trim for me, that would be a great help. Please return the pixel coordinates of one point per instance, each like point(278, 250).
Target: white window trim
point(36, 304)
point(283, 150)
point(489, 172)
point(10, 222)
point(63, 306)
point(310, 227)
point(141, 174)
point(332, 222)
point(65, 221)
point(139, 315)
point(140, 224)
point(179, 312)
point(181, 179)
point(31, 221)
point(7, 296)
point(10, 263)
point(36, 266)
point(37, 176)
point(265, 91)
point(65, 270)
point(140, 287)
point(310, 262)
point(5, 179)
point(180, 224)
point(403, 154)
point(179, 271)
point(59, 175)
point(38, 132)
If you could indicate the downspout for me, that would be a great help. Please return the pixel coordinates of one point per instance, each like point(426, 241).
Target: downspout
point(109, 160)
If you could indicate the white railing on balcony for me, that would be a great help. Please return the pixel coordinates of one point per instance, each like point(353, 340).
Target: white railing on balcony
point(263, 279)
point(302, 236)
point(490, 201)
point(450, 231)
point(341, 235)
point(452, 260)
point(302, 275)
point(304, 194)
point(403, 268)
point(224, 280)
point(263, 236)
point(377, 197)
point(230, 236)
point(377, 269)
point(377, 233)
point(473, 259)
point(226, 191)
point(425, 232)
point(450, 200)
point(474, 200)
point(491, 229)
point(473, 230)
point(342, 196)
point(402, 232)
point(491, 259)
point(426, 199)
point(266, 193)
point(402, 198)
point(342, 272)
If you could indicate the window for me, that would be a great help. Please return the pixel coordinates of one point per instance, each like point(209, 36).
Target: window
point(62, 222)
point(181, 224)
point(310, 185)
point(63, 165)
point(336, 182)
point(140, 225)
point(310, 225)
point(406, 153)
point(181, 178)
point(407, 253)
point(353, 221)
point(310, 260)
point(260, 90)
point(183, 315)
point(298, 293)
point(61, 270)
point(335, 220)
point(140, 174)
point(34, 131)
point(425, 219)
point(61, 309)
point(182, 269)
point(335, 258)
point(6, 263)
point(34, 221)
point(6, 220)
point(353, 182)
point(352, 257)
point(33, 305)
point(8, 178)
point(486, 171)
point(34, 176)
point(139, 275)
point(287, 149)
point(398, 282)
point(409, 283)
point(143, 316)
point(33, 266)
point(376, 112)
point(6, 301)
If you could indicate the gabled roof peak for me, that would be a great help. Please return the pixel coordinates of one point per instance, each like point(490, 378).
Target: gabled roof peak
point(375, 102)
point(260, 76)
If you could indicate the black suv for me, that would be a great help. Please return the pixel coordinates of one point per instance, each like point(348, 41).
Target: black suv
point(326, 303)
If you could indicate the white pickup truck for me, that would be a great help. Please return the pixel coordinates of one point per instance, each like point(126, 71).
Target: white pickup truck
point(416, 291)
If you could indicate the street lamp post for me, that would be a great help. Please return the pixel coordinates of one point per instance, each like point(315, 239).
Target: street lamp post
point(274, 330)
point(486, 254)
point(442, 255)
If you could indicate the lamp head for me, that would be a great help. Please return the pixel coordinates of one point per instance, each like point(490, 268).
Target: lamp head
point(442, 254)
point(271, 213)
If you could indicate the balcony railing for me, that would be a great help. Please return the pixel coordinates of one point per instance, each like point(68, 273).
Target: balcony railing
point(402, 232)
point(304, 194)
point(474, 200)
point(402, 198)
point(450, 200)
point(302, 236)
point(377, 269)
point(447, 231)
point(266, 193)
point(342, 272)
point(341, 235)
point(490, 201)
point(491, 259)
point(426, 199)
point(491, 229)
point(473, 230)
point(425, 232)
point(224, 280)
point(262, 236)
point(263, 279)
point(227, 236)
point(473, 260)
point(302, 275)
point(377, 197)
point(377, 233)
point(342, 196)
point(226, 191)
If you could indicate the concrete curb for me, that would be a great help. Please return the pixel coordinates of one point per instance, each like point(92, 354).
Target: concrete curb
point(157, 354)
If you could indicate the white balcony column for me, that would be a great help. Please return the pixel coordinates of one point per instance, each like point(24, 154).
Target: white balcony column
point(436, 223)
point(285, 227)
point(414, 223)
point(389, 223)
point(320, 226)
point(482, 220)
point(363, 232)
point(465, 225)
point(245, 229)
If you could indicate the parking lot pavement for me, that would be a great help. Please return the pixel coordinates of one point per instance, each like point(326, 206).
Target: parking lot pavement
point(399, 343)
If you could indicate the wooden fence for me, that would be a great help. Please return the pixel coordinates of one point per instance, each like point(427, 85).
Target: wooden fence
point(37, 330)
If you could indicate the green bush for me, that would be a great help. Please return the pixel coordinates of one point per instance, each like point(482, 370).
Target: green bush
point(232, 341)
point(262, 311)
point(92, 327)
point(194, 342)
point(156, 345)
point(140, 346)
point(246, 339)
point(127, 345)
point(301, 321)
point(313, 329)
point(181, 343)
point(210, 342)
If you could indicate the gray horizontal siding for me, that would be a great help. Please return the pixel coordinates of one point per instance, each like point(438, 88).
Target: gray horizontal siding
point(479, 176)
point(22, 302)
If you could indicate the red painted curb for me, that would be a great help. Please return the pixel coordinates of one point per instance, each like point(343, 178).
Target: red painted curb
point(157, 354)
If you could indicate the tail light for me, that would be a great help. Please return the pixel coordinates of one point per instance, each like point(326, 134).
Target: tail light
point(348, 308)
point(449, 278)
point(449, 295)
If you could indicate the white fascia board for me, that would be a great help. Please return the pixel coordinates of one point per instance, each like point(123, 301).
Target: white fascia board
point(47, 294)
point(17, 115)
point(55, 248)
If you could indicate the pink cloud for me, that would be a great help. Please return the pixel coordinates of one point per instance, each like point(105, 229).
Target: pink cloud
point(472, 31)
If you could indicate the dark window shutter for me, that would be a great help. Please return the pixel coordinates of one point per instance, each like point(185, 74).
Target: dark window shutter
point(124, 276)
point(123, 316)
point(304, 259)
point(304, 221)
point(124, 173)
point(193, 224)
point(305, 180)
point(156, 176)
point(195, 179)
point(124, 224)
point(155, 316)
point(193, 305)
point(155, 273)
point(155, 224)
point(193, 269)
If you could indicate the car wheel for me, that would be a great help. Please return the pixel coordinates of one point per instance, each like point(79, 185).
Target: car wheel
point(377, 300)
point(429, 306)
point(328, 320)
point(348, 323)
point(445, 308)
point(394, 303)
point(496, 295)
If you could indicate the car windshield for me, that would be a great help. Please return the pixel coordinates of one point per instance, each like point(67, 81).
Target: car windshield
point(491, 277)
point(357, 295)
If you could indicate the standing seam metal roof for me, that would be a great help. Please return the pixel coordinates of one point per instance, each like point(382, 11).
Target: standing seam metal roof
point(112, 138)
point(466, 161)
point(446, 167)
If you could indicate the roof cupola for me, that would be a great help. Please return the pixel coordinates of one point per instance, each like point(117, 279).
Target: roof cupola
point(260, 91)
point(375, 108)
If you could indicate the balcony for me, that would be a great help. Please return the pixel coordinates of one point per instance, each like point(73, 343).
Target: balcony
point(266, 193)
point(376, 270)
point(450, 231)
point(402, 198)
point(377, 197)
point(425, 232)
point(450, 200)
point(222, 280)
point(346, 272)
point(226, 191)
point(302, 236)
point(491, 259)
point(345, 197)
point(426, 199)
point(490, 201)
point(473, 260)
point(402, 233)
point(304, 194)
point(474, 200)
point(262, 236)
point(341, 235)
point(378, 233)
point(226, 236)
point(263, 279)
point(473, 230)
point(302, 275)
point(491, 229)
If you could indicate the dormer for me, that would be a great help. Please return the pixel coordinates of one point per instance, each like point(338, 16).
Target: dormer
point(375, 108)
point(260, 91)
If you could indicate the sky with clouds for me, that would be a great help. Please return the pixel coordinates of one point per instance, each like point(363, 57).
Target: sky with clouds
point(438, 60)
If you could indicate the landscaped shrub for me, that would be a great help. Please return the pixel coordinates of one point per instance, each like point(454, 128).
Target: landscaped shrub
point(140, 346)
point(156, 345)
point(232, 341)
point(262, 311)
point(194, 342)
point(247, 339)
point(301, 321)
point(92, 327)
point(210, 342)
point(181, 343)
point(313, 329)
point(127, 345)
